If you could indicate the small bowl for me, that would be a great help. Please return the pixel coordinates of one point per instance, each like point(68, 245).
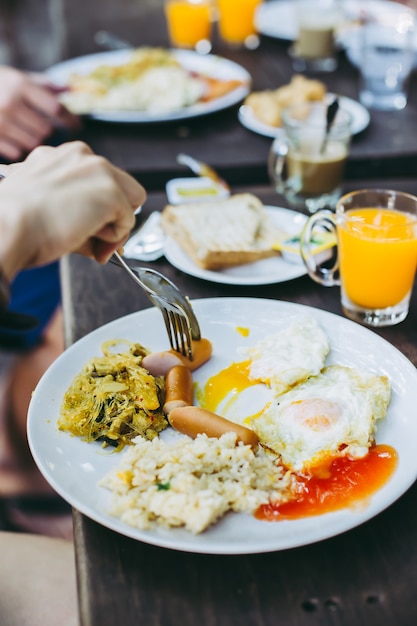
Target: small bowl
point(201, 189)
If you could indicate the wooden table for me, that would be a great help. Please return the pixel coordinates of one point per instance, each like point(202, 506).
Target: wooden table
point(386, 148)
point(364, 577)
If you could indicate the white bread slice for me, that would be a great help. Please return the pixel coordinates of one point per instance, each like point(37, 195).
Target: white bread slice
point(223, 233)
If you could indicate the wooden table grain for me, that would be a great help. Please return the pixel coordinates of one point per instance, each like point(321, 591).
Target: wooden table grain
point(363, 577)
point(386, 148)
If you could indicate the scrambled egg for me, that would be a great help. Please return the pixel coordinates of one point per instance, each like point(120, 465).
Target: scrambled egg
point(152, 81)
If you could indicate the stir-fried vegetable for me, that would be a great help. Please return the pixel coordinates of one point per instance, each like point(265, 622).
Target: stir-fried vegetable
point(114, 398)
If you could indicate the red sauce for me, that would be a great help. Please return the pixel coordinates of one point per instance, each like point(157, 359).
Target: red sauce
point(345, 483)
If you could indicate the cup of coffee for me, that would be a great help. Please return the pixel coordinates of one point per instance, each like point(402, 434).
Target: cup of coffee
point(314, 48)
point(307, 159)
point(376, 253)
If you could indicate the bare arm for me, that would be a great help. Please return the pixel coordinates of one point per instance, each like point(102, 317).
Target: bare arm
point(30, 109)
point(61, 200)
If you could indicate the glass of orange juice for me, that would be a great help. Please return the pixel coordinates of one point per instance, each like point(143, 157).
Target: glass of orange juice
point(236, 22)
point(190, 23)
point(376, 253)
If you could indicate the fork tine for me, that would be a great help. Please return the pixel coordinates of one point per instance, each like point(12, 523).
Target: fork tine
point(174, 329)
point(180, 322)
point(168, 326)
point(184, 335)
point(178, 330)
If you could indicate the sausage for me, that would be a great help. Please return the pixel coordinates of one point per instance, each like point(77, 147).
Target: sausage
point(178, 388)
point(159, 363)
point(202, 351)
point(192, 420)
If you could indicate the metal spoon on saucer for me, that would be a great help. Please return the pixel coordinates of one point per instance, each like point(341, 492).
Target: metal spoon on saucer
point(147, 244)
point(331, 113)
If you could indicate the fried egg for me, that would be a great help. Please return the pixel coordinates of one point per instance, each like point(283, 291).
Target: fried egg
point(290, 356)
point(329, 415)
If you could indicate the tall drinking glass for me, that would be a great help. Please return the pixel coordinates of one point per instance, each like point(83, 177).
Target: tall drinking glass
point(376, 256)
point(190, 23)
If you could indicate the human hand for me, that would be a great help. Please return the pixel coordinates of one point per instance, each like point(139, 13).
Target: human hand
point(61, 200)
point(29, 111)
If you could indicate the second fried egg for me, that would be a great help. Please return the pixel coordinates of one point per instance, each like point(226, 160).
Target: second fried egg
point(329, 415)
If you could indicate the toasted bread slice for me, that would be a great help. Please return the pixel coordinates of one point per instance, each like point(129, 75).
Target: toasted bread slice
point(223, 233)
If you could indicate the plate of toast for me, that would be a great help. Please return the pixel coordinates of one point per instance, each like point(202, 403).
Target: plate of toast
point(236, 241)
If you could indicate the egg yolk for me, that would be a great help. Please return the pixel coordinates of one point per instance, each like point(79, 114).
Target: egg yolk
point(348, 483)
point(314, 413)
point(229, 382)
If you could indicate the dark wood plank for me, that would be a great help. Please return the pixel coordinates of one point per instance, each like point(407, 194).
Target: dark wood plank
point(364, 577)
point(35, 35)
point(385, 148)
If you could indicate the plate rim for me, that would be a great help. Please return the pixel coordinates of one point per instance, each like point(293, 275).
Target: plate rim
point(266, 12)
point(172, 250)
point(136, 117)
point(250, 122)
point(341, 521)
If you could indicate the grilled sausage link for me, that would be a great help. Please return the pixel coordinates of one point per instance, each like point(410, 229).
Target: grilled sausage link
point(192, 420)
point(178, 388)
point(159, 363)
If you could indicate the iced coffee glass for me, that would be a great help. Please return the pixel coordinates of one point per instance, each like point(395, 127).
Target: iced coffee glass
point(306, 164)
point(317, 22)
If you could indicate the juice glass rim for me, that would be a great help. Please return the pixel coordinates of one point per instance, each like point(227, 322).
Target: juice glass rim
point(407, 207)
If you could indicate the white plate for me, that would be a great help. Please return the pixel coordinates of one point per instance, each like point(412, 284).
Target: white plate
point(264, 272)
point(360, 118)
point(74, 467)
point(278, 18)
point(211, 65)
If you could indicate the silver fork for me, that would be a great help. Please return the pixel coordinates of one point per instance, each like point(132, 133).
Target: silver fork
point(180, 320)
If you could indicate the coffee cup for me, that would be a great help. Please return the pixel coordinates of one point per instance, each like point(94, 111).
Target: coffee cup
point(307, 161)
point(314, 48)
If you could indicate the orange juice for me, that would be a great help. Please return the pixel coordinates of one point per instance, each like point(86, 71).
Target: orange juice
point(189, 21)
point(378, 256)
point(237, 19)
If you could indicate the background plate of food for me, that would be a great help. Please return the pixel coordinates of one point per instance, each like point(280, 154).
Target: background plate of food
point(149, 84)
point(255, 121)
point(75, 468)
